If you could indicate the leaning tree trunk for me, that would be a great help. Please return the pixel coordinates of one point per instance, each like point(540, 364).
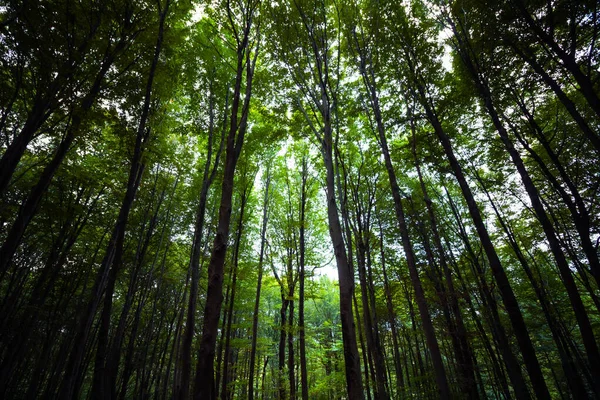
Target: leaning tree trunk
point(114, 250)
point(585, 327)
point(432, 343)
point(30, 206)
point(459, 335)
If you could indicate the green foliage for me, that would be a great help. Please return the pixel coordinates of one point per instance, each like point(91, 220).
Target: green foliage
point(412, 56)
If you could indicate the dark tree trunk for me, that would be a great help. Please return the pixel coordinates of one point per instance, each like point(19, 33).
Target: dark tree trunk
point(290, 342)
point(106, 275)
point(569, 105)
point(488, 299)
point(363, 350)
point(568, 60)
point(113, 358)
point(48, 98)
point(585, 327)
point(320, 56)
point(432, 343)
point(236, 256)
point(281, 348)
point(503, 284)
point(197, 244)
point(576, 205)
point(391, 317)
point(101, 387)
point(440, 373)
point(302, 251)
point(204, 388)
point(30, 206)
point(570, 369)
point(460, 342)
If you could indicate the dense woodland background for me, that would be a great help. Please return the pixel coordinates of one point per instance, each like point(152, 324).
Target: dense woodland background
point(177, 177)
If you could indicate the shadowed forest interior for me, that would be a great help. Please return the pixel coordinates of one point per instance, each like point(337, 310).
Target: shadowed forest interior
point(299, 199)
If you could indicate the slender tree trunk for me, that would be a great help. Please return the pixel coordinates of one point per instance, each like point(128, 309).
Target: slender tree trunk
point(69, 388)
point(345, 274)
point(101, 388)
point(31, 204)
point(432, 343)
point(459, 333)
point(363, 350)
point(391, 317)
point(508, 297)
point(204, 388)
point(197, 244)
point(290, 343)
point(440, 373)
point(302, 251)
point(281, 348)
point(236, 256)
point(47, 99)
point(568, 60)
point(576, 205)
point(569, 105)
point(488, 299)
point(346, 280)
point(573, 378)
point(114, 351)
point(263, 241)
point(585, 327)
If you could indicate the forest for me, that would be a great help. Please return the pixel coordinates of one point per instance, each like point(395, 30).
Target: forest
point(299, 199)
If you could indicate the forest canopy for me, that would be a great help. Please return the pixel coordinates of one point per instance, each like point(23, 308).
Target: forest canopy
point(299, 199)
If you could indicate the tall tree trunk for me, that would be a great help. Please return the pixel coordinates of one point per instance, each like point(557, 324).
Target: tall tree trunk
point(569, 105)
point(585, 327)
point(301, 262)
point(101, 388)
point(459, 333)
point(391, 316)
point(69, 388)
point(346, 279)
point(575, 205)
point(503, 284)
point(513, 367)
point(46, 101)
point(236, 256)
point(432, 343)
point(113, 358)
point(281, 348)
point(570, 369)
point(204, 388)
point(290, 342)
point(263, 241)
point(207, 180)
point(568, 60)
point(363, 350)
point(30, 206)
point(322, 100)
point(440, 373)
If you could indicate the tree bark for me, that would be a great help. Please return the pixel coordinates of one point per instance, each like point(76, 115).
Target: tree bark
point(207, 180)
point(204, 381)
